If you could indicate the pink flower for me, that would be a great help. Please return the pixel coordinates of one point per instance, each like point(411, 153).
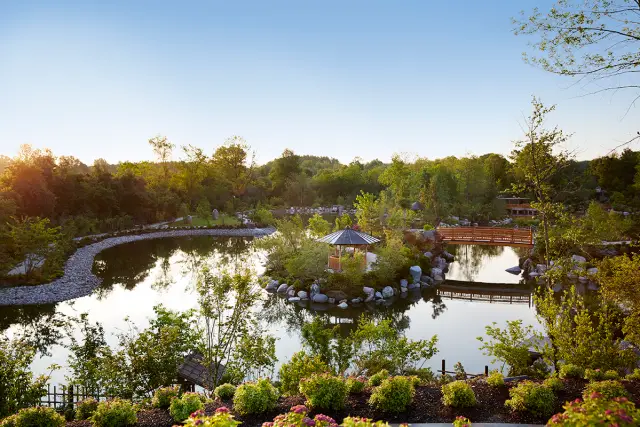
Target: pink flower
point(198, 422)
point(299, 409)
point(223, 410)
point(608, 412)
point(325, 419)
point(595, 395)
point(308, 421)
point(267, 424)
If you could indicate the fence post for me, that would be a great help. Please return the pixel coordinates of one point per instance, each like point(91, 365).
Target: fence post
point(70, 397)
point(444, 371)
point(486, 371)
point(55, 398)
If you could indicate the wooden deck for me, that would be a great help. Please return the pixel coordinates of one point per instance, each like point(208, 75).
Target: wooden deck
point(487, 236)
point(485, 294)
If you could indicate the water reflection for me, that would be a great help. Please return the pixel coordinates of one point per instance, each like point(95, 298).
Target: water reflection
point(484, 263)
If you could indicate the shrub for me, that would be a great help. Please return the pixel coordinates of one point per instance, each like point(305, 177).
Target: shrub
point(597, 410)
point(571, 371)
point(425, 374)
point(10, 421)
point(532, 397)
point(225, 391)
point(608, 389)
point(415, 381)
point(324, 391)
point(593, 375)
point(300, 366)
point(38, 417)
point(393, 395)
point(611, 375)
point(163, 396)
point(255, 398)
point(86, 408)
point(554, 383)
point(114, 413)
point(377, 379)
point(495, 379)
point(362, 422)
point(634, 376)
point(222, 418)
point(461, 374)
point(458, 394)
point(356, 385)
point(297, 417)
point(461, 421)
point(182, 407)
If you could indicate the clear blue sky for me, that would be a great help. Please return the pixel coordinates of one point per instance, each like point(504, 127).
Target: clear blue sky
point(338, 78)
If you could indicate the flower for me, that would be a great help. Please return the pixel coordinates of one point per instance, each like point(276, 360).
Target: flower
point(223, 410)
point(267, 424)
point(198, 422)
point(308, 421)
point(608, 412)
point(299, 409)
point(595, 395)
point(325, 418)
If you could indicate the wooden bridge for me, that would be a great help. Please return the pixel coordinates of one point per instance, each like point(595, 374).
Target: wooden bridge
point(485, 294)
point(486, 236)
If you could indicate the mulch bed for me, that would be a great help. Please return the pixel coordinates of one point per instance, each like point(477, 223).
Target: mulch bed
point(427, 407)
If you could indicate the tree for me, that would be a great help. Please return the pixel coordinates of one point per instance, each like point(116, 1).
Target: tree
point(235, 163)
point(284, 168)
point(203, 210)
point(536, 164)
point(510, 346)
point(162, 148)
point(33, 240)
point(343, 221)
point(318, 226)
point(369, 213)
point(309, 263)
point(594, 39)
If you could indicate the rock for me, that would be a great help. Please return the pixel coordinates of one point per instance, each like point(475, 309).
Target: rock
point(439, 262)
point(415, 272)
point(413, 286)
point(368, 291)
point(302, 295)
point(404, 283)
point(514, 270)
point(436, 274)
point(557, 287)
point(427, 280)
point(315, 290)
point(592, 271)
point(370, 298)
point(593, 286)
point(541, 268)
point(331, 300)
point(447, 256)
point(583, 279)
point(272, 285)
point(337, 295)
point(578, 259)
point(282, 289)
point(340, 302)
point(291, 292)
point(534, 274)
point(428, 255)
point(321, 298)
point(378, 295)
point(387, 292)
point(215, 214)
point(294, 299)
point(356, 300)
point(343, 305)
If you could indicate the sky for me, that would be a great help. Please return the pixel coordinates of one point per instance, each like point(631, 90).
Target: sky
point(343, 79)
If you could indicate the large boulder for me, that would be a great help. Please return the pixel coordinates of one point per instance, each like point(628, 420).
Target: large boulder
point(282, 289)
point(291, 291)
point(541, 268)
point(337, 295)
point(404, 283)
point(343, 305)
point(272, 285)
point(415, 272)
point(370, 298)
point(439, 262)
point(378, 295)
point(428, 255)
point(429, 235)
point(368, 291)
point(436, 275)
point(578, 259)
point(320, 298)
point(356, 300)
point(387, 292)
point(302, 295)
point(427, 281)
point(315, 289)
point(446, 255)
point(514, 270)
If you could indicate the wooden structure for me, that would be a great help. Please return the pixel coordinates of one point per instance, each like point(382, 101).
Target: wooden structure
point(62, 397)
point(193, 372)
point(494, 236)
point(347, 238)
point(519, 207)
point(485, 294)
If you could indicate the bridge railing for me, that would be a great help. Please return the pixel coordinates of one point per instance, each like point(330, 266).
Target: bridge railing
point(486, 235)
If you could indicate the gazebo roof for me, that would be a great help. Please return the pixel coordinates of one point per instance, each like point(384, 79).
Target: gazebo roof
point(348, 237)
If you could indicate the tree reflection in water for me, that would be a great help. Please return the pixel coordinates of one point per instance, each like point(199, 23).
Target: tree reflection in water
point(469, 258)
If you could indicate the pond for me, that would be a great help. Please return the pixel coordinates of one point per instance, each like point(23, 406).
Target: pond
point(140, 275)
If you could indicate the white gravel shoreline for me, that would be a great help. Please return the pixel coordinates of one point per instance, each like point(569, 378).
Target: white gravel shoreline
point(78, 279)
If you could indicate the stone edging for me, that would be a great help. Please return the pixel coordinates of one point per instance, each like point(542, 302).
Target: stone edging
point(78, 279)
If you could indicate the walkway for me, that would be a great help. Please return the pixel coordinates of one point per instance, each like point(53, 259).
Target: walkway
point(494, 236)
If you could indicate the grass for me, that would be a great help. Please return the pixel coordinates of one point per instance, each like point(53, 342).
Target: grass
point(199, 222)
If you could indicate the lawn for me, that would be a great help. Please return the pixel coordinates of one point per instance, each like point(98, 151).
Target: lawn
point(199, 222)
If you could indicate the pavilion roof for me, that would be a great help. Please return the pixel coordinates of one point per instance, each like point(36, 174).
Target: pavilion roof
point(348, 237)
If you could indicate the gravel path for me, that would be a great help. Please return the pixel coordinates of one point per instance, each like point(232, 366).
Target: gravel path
point(78, 279)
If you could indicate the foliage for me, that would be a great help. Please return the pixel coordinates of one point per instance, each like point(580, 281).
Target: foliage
point(554, 383)
point(343, 221)
point(634, 376)
point(425, 375)
point(221, 418)
point(362, 422)
point(569, 370)
point(608, 389)
point(595, 410)
point(461, 374)
point(461, 421)
point(38, 417)
point(509, 345)
point(390, 261)
point(300, 366)
point(532, 397)
point(18, 388)
point(324, 340)
point(86, 408)
point(225, 391)
point(495, 379)
point(9, 421)
point(33, 241)
point(356, 385)
point(593, 374)
point(114, 413)
point(611, 374)
point(376, 379)
point(255, 398)
point(262, 216)
point(369, 213)
point(163, 396)
point(324, 391)
point(318, 226)
point(309, 262)
point(84, 359)
point(458, 394)
point(395, 394)
point(297, 417)
point(187, 404)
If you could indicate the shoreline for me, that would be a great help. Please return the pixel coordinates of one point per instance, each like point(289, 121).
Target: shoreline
point(78, 279)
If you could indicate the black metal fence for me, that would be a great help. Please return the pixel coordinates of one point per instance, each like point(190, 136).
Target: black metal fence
point(62, 397)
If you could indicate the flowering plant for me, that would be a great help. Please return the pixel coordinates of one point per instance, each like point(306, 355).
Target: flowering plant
point(596, 410)
point(222, 418)
point(461, 421)
point(362, 422)
point(297, 417)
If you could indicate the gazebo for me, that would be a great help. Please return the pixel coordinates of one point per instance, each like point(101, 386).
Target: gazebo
point(346, 237)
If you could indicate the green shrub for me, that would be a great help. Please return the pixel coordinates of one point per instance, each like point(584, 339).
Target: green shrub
point(225, 391)
point(554, 383)
point(611, 375)
point(461, 421)
point(114, 413)
point(221, 418)
point(495, 379)
point(300, 366)
point(415, 381)
point(377, 379)
point(458, 394)
point(362, 422)
point(163, 396)
point(255, 398)
point(425, 374)
point(86, 408)
point(532, 397)
point(39, 417)
point(324, 391)
point(597, 410)
point(356, 385)
point(634, 376)
point(593, 375)
point(571, 371)
point(609, 389)
point(395, 394)
point(182, 407)
point(10, 421)
point(297, 417)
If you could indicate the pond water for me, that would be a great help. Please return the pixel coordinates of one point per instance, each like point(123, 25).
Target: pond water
point(140, 275)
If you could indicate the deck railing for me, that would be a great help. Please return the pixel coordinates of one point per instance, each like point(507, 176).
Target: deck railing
point(513, 236)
